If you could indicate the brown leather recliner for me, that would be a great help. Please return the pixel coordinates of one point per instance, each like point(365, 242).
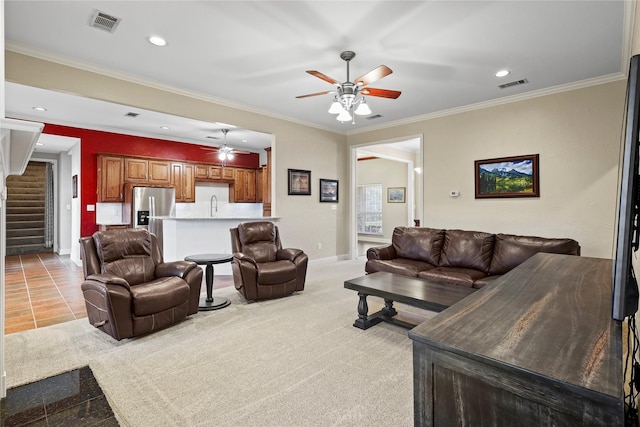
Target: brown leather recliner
point(261, 268)
point(129, 290)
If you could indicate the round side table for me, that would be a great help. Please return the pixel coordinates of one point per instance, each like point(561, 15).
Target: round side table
point(208, 303)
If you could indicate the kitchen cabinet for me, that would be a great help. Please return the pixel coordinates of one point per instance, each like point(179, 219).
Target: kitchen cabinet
point(204, 172)
point(146, 171)
point(110, 178)
point(183, 179)
point(244, 186)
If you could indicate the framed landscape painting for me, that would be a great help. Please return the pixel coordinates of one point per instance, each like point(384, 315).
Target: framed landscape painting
point(396, 194)
point(508, 177)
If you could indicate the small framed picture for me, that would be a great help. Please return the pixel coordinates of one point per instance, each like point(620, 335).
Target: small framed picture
point(299, 182)
point(329, 190)
point(396, 194)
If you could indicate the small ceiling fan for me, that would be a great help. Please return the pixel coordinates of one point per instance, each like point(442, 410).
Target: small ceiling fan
point(349, 96)
point(225, 152)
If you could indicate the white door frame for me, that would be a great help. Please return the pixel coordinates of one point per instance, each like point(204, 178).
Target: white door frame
point(414, 189)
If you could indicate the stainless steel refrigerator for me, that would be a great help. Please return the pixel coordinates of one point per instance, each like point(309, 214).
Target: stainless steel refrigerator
point(150, 202)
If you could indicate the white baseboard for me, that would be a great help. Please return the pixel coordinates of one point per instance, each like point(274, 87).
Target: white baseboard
point(64, 252)
point(329, 260)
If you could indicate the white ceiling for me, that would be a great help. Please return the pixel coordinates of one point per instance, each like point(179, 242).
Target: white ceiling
point(254, 55)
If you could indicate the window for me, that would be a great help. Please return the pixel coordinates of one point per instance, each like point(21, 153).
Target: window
point(369, 208)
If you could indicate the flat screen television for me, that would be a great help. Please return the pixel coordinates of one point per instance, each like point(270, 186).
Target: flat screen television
point(625, 285)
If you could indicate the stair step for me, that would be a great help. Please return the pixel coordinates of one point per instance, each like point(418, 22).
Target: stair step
point(21, 232)
point(18, 190)
point(28, 210)
point(27, 249)
point(25, 224)
point(28, 240)
point(39, 203)
point(25, 217)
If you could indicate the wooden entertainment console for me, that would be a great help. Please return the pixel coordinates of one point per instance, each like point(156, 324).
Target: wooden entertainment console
point(539, 347)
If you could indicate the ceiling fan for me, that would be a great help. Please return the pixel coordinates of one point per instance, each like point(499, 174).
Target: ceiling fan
point(349, 95)
point(225, 152)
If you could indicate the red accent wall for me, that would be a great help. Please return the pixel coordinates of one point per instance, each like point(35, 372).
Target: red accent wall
point(94, 142)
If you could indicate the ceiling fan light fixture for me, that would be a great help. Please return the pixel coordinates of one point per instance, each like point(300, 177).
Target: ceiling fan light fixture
point(344, 116)
point(336, 107)
point(363, 109)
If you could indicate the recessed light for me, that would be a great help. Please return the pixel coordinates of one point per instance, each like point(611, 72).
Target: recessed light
point(503, 73)
point(39, 108)
point(157, 40)
point(165, 127)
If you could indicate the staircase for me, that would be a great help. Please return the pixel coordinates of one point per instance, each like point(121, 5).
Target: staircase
point(25, 211)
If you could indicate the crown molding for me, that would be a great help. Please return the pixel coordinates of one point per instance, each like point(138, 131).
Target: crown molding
point(496, 102)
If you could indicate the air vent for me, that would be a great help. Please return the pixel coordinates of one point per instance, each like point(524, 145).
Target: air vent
point(104, 22)
point(212, 137)
point(131, 115)
point(375, 116)
point(515, 83)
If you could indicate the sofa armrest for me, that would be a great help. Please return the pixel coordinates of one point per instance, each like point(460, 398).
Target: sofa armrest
point(240, 257)
point(175, 268)
point(107, 279)
point(288, 254)
point(381, 252)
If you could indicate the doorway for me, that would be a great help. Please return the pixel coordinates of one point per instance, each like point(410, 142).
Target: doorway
point(29, 220)
point(395, 166)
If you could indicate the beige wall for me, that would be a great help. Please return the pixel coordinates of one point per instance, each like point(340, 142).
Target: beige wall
point(305, 221)
point(389, 173)
point(577, 135)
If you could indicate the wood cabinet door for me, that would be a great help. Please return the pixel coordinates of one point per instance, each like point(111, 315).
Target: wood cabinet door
point(183, 179)
point(159, 172)
point(136, 170)
point(201, 171)
point(227, 173)
point(110, 179)
point(188, 183)
point(250, 186)
point(214, 172)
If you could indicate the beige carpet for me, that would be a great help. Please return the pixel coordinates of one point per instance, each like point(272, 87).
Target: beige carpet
point(295, 361)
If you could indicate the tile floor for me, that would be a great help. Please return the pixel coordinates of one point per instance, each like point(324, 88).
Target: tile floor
point(70, 399)
point(44, 289)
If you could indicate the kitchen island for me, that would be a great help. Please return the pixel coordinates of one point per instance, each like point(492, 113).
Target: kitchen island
point(187, 236)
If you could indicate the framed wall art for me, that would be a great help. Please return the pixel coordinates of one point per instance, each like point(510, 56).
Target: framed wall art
point(396, 194)
point(299, 182)
point(508, 177)
point(329, 190)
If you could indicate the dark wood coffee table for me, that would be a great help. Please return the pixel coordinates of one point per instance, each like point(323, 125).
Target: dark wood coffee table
point(412, 291)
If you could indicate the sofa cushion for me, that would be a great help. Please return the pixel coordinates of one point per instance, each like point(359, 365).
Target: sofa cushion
point(421, 244)
point(258, 240)
point(511, 250)
point(406, 267)
point(159, 295)
point(467, 249)
point(126, 254)
point(276, 272)
point(453, 275)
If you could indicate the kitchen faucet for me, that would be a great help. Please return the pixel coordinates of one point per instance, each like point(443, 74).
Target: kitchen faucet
point(216, 205)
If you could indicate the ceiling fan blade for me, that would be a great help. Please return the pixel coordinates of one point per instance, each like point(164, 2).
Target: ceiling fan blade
point(314, 94)
point(382, 93)
point(373, 75)
point(324, 77)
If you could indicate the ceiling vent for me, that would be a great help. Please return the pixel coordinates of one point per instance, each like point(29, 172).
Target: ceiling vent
point(515, 83)
point(375, 116)
point(212, 137)
point(104, 22)
point(131, 115)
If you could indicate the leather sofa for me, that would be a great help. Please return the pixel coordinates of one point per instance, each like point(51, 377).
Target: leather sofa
point(459, 257)
point(129, 290)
